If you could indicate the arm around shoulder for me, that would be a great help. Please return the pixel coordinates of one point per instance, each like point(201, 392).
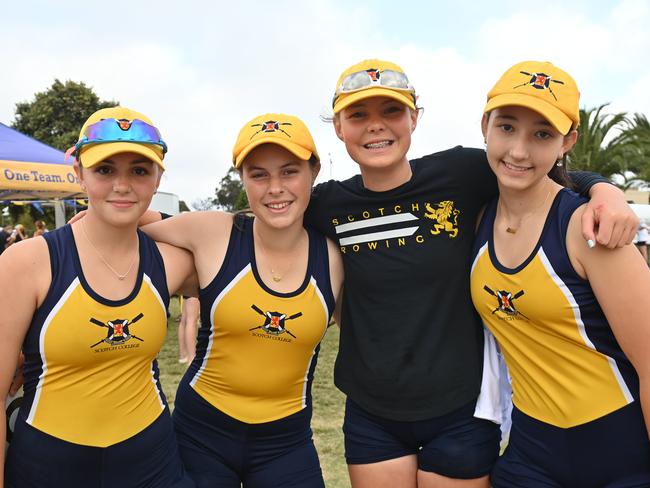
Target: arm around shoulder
point(180, 271)
point(187, 230)
point(609, 220)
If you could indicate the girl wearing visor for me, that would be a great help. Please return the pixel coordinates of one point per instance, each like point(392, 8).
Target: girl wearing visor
point(87, 305)
point(573, 323)
point(243, 409)
point(411, 347)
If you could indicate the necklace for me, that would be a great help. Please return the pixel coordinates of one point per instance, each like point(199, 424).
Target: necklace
point(277, 277)
point(513, 230)
point(119, 276)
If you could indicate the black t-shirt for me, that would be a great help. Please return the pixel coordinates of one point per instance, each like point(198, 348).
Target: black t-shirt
point(411, 342)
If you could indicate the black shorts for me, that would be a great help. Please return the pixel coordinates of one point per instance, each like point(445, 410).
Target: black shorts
point(220, 451)
point(612, 451)
point(456, 445)
point(148, 459)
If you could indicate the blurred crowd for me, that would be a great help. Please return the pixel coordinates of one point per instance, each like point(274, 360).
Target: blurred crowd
point(11, 234)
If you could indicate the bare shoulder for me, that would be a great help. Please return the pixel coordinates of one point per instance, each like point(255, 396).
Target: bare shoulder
point(25, 266)
point(27, 254)
point(600, 261)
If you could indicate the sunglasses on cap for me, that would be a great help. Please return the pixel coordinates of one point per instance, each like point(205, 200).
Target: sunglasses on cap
point(120, 130)
point(360, 80)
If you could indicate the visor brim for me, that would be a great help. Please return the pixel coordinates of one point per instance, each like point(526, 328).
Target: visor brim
point(346, 99)
point(295, 149)
point(96, 153)
point(555, 116)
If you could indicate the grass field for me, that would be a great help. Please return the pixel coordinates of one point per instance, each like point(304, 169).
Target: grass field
point(328, 401)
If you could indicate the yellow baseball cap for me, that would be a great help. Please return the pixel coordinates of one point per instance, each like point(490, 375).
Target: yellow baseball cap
point(542, 87)
point(373, 78)
point(121, 130)
point(284, 130)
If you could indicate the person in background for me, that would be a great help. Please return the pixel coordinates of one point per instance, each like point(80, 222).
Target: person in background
point(17, 235)
point(40, 228)
point(187, 327)
point(5, 233)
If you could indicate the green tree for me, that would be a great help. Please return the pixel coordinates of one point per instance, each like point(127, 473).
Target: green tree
point(599, 142)
point(229, 194)
point(55, 115)
point(203, 204)
point(613, 145)
point(638, 154)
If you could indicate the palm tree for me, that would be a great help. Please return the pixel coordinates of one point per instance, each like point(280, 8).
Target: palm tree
point(613, 145)
point(639, 157)
point(591, 152)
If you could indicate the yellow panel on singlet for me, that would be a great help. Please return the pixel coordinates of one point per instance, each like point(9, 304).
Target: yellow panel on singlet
point(558, 376)
point(261, 349)
point(97, 386)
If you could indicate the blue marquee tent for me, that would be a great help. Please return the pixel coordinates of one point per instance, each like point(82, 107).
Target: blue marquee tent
point(31, 170)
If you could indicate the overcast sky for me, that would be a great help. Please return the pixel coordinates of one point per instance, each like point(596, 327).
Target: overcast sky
point(201, 69)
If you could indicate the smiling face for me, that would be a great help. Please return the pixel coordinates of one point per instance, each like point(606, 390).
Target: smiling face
point(121, 187)
point(278, 185)
point(522, 146)
point(376, 132)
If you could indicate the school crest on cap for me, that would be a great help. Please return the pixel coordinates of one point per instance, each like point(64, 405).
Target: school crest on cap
point(271, 126)
point(540, 81)
point(542, 87)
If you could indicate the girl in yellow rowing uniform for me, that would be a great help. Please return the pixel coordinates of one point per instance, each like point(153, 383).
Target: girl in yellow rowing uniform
point(268, 286)
point(573, 323)
point(87, 305)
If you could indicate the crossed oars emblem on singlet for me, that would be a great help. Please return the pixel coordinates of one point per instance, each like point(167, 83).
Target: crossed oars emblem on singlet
point(118, 330)
point(506, 301)
point(274, 321)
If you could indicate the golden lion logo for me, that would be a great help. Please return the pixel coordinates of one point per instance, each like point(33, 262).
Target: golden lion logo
point(445, 216)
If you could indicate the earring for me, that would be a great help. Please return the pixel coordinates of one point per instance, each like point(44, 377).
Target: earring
point(559, 163)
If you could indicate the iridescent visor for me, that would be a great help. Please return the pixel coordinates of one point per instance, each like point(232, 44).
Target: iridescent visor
point(388, 78)
point(122, 130)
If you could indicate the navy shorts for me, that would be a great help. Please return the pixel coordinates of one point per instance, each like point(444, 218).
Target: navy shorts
point(147, 460)
point(612, 451)
point(456, 445)
point(218, 450)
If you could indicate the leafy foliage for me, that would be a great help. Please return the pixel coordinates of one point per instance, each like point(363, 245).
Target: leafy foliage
point(230, 194)
point(56, 115)
point(613, 145)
